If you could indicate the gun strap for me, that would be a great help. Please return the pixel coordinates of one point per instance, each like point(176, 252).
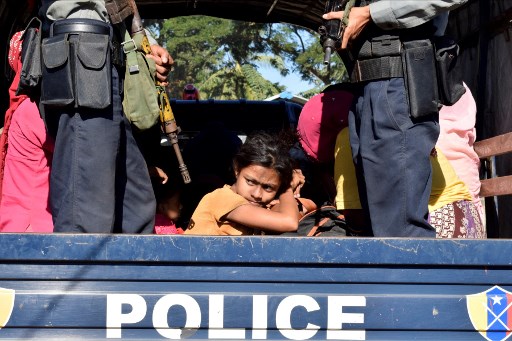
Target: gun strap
point(129, 49)
point(132, 43)
point(346, 11)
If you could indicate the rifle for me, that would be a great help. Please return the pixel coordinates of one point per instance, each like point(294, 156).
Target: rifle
point(331, 32)
point(169, 125)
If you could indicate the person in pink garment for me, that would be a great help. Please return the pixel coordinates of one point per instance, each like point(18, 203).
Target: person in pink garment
point(25, 159)
point(458, 134)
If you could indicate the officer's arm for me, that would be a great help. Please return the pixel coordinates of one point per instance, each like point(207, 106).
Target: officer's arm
point(390, 14)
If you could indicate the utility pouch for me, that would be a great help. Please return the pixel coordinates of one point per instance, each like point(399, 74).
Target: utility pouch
point(77, 68)
point(381, 46)
point(377, 58)
point(56, 83)
point(450, 81)
point(93, 71)
point(30, 75)
point(420, 77)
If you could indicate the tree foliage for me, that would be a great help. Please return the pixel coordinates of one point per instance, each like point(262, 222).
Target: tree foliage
point(221, 57)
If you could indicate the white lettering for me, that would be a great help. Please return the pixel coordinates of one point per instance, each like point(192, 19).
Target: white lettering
point(115, 316)
point(336, 317)
point(259, 317)
point(217, 330)
point(284, 312)
point(162, 320)
point(161, 312)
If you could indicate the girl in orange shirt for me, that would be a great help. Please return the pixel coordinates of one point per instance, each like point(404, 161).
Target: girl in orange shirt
point(264, 173)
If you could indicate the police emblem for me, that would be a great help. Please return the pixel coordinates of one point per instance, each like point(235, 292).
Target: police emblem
point(490, 313)
point(6, 305)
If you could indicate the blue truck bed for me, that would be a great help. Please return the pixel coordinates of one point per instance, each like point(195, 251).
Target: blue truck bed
point(66, 286)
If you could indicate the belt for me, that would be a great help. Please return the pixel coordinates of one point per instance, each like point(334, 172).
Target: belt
point(80, 25)
point(377, 68)
point(83, 25)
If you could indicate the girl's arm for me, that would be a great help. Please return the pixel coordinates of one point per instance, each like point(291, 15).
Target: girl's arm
point(283, 217)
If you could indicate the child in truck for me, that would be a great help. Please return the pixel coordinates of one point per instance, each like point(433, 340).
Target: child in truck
point(168, 201)
point(264, 171)
point(168, 188)
point(320, 121)
point(166, 180)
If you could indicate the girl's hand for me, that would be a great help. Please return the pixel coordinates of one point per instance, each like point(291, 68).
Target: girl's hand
point(156, 172)
point(298, 181)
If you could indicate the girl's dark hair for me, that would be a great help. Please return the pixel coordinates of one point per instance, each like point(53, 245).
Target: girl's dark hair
point(271, 150)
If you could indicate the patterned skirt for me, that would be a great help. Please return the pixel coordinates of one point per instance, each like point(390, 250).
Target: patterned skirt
point(458, 220)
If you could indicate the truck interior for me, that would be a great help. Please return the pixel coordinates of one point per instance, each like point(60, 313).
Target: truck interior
point(482, 28)
point(95, 287)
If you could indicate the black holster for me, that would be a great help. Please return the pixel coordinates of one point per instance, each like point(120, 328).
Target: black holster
point(430, 75)
point(420, 77)
point(387, 56)
point(30, 75)
point(451, 87)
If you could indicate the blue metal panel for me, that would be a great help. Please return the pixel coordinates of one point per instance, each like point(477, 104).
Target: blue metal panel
point(178, 248)
point(74, 286)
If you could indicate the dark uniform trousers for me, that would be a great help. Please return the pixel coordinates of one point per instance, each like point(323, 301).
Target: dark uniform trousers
point(99, 180)
point(391, 153)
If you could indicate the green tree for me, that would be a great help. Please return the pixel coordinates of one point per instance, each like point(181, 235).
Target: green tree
point(220, 56)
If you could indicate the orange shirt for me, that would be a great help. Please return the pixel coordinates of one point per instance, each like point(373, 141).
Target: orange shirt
point(208, 217)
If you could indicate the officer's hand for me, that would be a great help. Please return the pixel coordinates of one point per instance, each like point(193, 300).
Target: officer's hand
point(163, 61)
point(357, 20)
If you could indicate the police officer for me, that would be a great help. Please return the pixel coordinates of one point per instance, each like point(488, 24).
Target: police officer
point(99, 180)
point(390, 147)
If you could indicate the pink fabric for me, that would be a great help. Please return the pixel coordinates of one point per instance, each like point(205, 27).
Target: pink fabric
point(457, 123)
point(320, 121)
point(14, 59)
point(24, 206)
point(25, 160)
point(164, 225)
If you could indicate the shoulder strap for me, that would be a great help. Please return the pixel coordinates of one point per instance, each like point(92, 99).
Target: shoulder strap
point(118, 10)
point(316, 226)
point(130, 49)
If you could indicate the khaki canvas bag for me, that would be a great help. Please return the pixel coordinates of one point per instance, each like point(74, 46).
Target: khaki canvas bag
point(140, 103)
